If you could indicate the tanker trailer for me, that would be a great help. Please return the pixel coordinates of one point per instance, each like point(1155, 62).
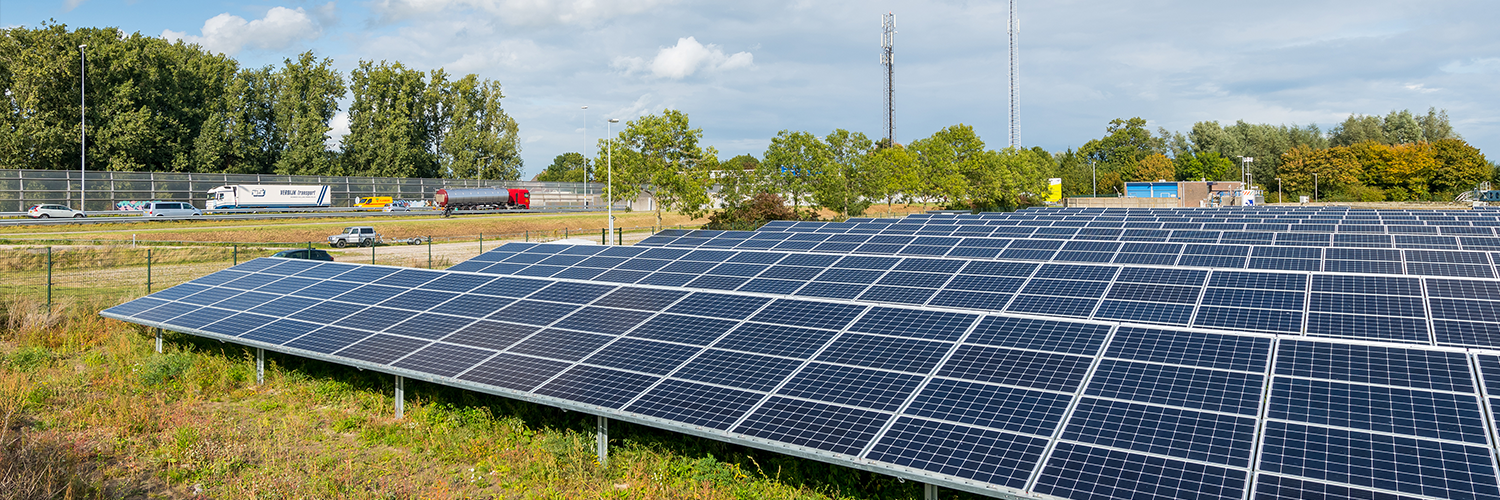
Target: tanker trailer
point(450, 199)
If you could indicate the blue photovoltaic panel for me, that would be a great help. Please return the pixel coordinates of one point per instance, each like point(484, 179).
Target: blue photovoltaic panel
point(1414, 368)
point(1053, 306)
point(1228, 352)
point(1144, 312)
point(1045, 335)
point(1437, 415)
point(816, 425)
point(776, 340)
point(886, 353)
point(1194, 388)
point(597, 386)
point(1012, 409)
point(810, 314)
point(1273, 487)
point(958, 450)
point(914, 323)
point(738, 369)
point(1085, 472)
point(510, 371)
point(657, 358)
point(1054, 372)
point(1195, 435)
point(1385, 462)
point(696, 404)
point(719, 305)
point(490, 334)
point(873, 389)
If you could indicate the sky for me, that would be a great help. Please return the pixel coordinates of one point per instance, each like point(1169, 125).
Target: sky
point(745, 70)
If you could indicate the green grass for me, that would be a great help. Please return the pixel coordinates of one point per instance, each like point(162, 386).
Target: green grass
point(91, 411)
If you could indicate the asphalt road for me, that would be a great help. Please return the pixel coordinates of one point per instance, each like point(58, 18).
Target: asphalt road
point(127, 219)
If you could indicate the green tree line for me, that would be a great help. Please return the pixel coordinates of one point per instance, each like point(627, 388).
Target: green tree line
point(1399, 156)
point(154, 105)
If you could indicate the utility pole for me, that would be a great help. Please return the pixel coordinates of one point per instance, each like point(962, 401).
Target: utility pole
point(888, 58)
point(1015, 79)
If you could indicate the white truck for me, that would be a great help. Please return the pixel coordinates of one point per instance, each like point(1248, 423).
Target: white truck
point(268, 196)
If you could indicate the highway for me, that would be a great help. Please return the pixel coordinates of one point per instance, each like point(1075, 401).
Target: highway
point(111, 217)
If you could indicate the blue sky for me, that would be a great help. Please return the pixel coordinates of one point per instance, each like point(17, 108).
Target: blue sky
point(745, 70)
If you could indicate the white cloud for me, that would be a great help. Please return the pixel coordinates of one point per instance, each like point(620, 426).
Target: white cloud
point(519, 12)
point(684, 59)
point(339, 127)
point(69, 5)
point(279, 29)
point(1487, 65)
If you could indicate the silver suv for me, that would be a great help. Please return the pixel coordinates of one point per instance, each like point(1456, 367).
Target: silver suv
point(358, 235)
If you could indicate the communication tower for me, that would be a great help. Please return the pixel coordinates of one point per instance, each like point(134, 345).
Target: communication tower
point(888, 58)
point(1015, 81)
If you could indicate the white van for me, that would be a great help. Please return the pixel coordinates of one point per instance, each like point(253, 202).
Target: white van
point(170, 209)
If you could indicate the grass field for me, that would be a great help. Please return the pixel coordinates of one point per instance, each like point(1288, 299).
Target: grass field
point(89, 410)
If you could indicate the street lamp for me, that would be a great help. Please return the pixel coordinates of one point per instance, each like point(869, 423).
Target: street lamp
point(1315, 188)
point(609, 169)
point(1095, 166)
point(83, 69)
point(1278, 190)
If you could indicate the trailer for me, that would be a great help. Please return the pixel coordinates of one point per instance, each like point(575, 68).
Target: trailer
point(450, 199)
point(268, 196)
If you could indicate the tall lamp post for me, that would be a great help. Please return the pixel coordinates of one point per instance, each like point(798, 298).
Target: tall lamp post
point(1278, 190)
point(1245, 169)
point(609, 169)
point(1315, 188)
point(83, 69)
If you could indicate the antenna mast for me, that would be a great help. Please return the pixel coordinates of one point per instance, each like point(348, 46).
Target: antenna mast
point(1015, 84)
point(888, 58)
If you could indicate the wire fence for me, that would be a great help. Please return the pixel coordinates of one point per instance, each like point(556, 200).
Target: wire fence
point(106, 272)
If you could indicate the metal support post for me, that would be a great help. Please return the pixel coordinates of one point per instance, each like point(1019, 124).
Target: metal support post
point(603, 236)
point(528, 236)
point(602, 434)
point(929, 492)
point(620, 236)
point(260, 366)
point(372, 253)
point(429, 252)
point(158, 340)
point(400, 397)
point(481, 242)
point(236, 255)
point(309, 249)
point(148, 271)
point(49, 280)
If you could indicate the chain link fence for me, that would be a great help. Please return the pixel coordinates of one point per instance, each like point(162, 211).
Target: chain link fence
point(107, 272)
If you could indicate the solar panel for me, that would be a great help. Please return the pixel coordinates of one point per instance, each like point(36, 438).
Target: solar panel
point(1096, 404)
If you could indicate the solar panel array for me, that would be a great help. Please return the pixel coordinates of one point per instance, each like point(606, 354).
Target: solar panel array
point(1003, 376)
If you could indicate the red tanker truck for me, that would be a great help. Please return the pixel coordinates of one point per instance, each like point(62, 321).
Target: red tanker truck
point(450, 199)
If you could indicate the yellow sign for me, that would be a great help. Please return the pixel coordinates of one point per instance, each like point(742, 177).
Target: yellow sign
point(1054, 190)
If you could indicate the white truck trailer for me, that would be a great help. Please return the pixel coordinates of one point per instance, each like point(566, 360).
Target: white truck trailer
point(268, 196)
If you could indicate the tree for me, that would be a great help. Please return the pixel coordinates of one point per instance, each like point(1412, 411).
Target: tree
point(793, 160)
point(660, 155)
point(566, 167)
point(891, 173)
point(945, 162)
point(1127, 143)
point(309, 90)
point(389, 132)
point(1460, 167)
point(840, 185)
point(476, 138)
point(1156, 167)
